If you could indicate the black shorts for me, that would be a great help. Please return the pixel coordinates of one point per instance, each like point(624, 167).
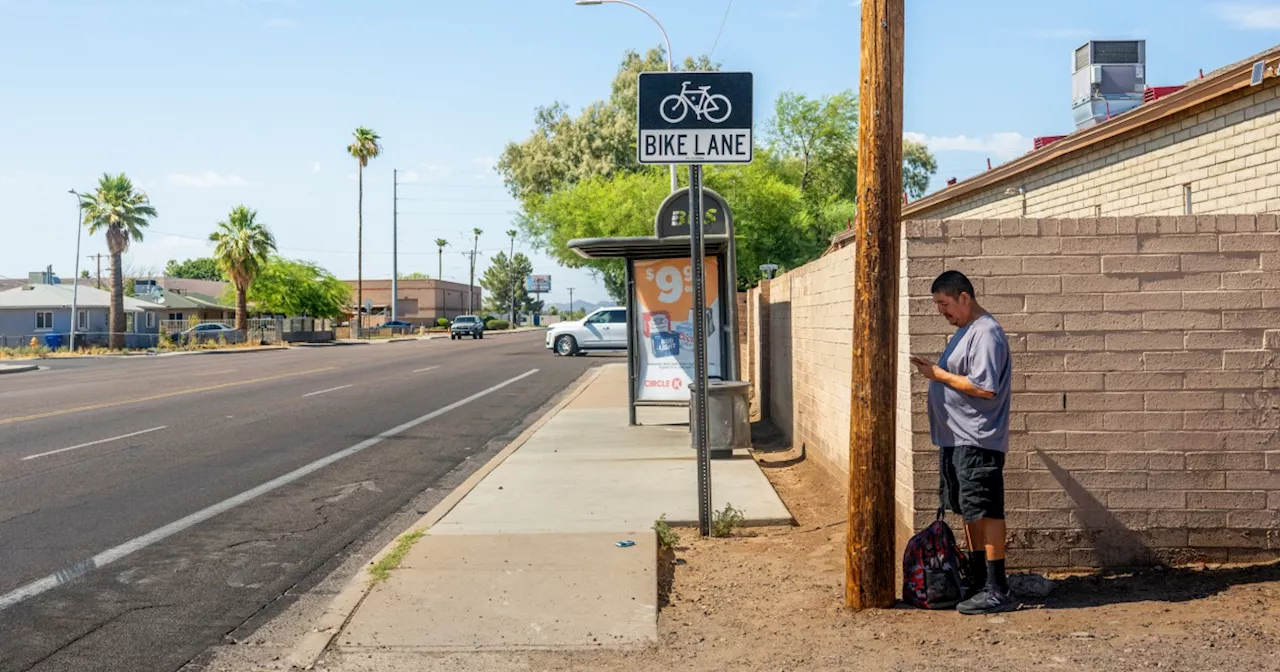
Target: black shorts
point(972, 482)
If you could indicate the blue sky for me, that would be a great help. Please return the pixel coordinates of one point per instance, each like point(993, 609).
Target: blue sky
point(212, 103)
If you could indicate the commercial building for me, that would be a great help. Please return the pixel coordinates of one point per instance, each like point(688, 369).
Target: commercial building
point(419, 301)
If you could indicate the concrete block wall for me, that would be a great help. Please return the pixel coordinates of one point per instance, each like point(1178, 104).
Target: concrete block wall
point(1146, 384)
point(1227, 151)
point(1146, 353)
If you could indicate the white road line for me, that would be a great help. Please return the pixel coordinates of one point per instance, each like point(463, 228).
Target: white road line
point(94, 443)
point(429, 368)
point(332, 389)
point(159, 534)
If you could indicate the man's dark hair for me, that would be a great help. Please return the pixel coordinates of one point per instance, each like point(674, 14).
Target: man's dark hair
point(953, 284)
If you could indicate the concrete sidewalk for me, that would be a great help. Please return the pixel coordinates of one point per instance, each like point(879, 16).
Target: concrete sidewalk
point(528, 559)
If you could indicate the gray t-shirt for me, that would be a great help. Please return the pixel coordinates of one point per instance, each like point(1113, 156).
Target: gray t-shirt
point(980, 352)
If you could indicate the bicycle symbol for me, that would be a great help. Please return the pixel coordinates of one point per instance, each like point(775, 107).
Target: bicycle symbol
point(676, 107)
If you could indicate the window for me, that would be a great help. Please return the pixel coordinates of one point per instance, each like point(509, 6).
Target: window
point(618, 316)
point(601, 317)
point(1186, 198)
point(176, 317)
point(129, 321)
point(82, 320)
point(151, 320)
point(44, 321)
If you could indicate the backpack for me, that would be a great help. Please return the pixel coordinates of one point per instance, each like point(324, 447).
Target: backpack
point(933, 568)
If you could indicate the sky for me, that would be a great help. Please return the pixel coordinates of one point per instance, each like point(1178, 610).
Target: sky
point(207, 104)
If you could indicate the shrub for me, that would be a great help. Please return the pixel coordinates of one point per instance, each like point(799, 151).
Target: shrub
point(442, 322)
point(497, 325)
point(724, 522)
point(667, 537)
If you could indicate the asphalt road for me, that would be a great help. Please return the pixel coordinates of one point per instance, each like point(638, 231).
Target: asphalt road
point(151, 507)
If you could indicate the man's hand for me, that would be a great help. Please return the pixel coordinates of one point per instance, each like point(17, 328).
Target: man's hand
point(926, 367)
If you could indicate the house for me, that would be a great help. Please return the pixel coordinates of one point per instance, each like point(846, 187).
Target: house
point(36, 310)
point(183, 309)
point(419, 301)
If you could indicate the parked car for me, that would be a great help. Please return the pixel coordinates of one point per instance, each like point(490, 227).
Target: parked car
point(604, 329)
point(397, 326)
point(210, 331)
point(466, 325)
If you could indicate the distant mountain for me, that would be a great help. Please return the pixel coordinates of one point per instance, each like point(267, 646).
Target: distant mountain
point(580, 305)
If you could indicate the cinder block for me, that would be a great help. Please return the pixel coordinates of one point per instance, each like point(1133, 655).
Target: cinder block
point(1071, 342)
point(1100, 245)
point(1059, 265)
point(1184, 441)
point(1031, 322)
point(1183, 401)
point(1141, 263)
point(1251, 280)
point(1181, 282)
point(1226, 538)
point(1063, 421)
point(1094, 284)
point(1253, 520)
point(1249, 242)
point(1019, 246)
point(1143, 421)
point(1221, 300)
point(1084, 362)
point(1104, 401)
point(1201, 263)
point(1222, 420)
point(1271, 339)
point(1063, 382)
point(988, 265)
point(1064, 303)
point(1186, 320)
point(1250, 319)
point(1033, 401)
point(1174, 244)
point(1122, 381)
point(1127, 460)
point(1185, 480)
point(1023, 284)
point(1032, 362)
point(1143, 341)
point(1075, 322)
point(1270, 299)
point(1226, 501)
point(1225, 461)
point(1221, 340)
point(1181, 361)
point(1146, 499)
point(1143, 301)
point(1223, 380)
point(1253, 480)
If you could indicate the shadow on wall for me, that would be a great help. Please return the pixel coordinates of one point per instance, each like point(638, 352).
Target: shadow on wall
point(1112, 543)
point(781, 404)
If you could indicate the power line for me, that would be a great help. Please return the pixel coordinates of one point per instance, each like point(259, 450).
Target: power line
point(314, 251)
point(727, 7)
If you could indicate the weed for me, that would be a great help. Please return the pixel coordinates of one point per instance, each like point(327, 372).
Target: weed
point(381, 570)
point(667, 537)
point(724, 522)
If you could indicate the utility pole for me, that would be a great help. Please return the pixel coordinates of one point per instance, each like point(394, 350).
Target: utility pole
point(395, 270)
point(75, 286)
point(511, 261)
point(471, 285)
point(99, 257)
point(869, 541)
point(570, 303)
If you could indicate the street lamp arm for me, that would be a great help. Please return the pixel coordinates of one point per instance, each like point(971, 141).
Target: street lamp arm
point(670, 64)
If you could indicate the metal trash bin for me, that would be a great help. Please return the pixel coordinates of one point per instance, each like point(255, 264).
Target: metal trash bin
point(728, 416)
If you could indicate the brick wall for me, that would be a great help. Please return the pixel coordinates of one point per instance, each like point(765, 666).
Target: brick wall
point(1146, 353)
point(1227, 150)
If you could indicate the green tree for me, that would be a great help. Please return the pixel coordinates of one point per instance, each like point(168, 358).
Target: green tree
point(440, 245)
point(364, 148)
point(121, 213)
point(416, 275)
point(242, 247)
point(918, 167)
point(203, 268)
point(299, 288)
point(500, 292)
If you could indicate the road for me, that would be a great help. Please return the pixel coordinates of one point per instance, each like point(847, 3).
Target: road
point(151, 508)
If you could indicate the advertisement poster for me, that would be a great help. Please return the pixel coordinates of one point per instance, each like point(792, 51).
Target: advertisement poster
point(664, 301)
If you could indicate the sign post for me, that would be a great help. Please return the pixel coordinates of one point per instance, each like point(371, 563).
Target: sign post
point(697, 118)
point(537, 284)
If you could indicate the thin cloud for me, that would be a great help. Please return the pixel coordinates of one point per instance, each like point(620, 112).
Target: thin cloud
point(1004, 145)
point(1249, 15)
point(207, 180)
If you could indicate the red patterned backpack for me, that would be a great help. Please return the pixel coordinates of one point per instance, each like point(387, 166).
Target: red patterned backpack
point(933, 568)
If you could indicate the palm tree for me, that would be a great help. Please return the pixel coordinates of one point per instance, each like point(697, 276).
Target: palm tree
point(121, 213)
point(440, 243)
point(243, 246)
point(364, 148)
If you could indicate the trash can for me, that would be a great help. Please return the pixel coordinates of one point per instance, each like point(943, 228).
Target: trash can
point(728, 416)
point(53, 341)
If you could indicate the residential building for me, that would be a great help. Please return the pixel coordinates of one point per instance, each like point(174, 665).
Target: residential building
point(34, 310)
point(420, 301)
point(182, 309)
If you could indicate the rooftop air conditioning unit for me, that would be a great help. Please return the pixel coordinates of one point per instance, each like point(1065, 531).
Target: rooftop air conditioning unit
point(1109, 78)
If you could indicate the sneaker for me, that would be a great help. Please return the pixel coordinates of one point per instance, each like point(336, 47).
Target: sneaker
point(988, 601)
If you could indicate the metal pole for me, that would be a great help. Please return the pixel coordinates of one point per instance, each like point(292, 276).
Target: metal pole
point(75, 286)
point(632, 345)
point(697, 253)
point(395, 270)
point(733, 367)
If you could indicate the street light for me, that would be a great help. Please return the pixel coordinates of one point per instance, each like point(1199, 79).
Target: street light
point(75, 283)
point(670, 65)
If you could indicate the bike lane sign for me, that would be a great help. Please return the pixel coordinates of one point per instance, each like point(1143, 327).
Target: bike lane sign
point(695, 117)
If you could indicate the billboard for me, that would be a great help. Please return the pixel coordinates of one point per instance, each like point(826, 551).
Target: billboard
point(664, 305)
point(538, 284)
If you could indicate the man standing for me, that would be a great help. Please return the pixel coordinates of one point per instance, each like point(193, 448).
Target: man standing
point(969, 390)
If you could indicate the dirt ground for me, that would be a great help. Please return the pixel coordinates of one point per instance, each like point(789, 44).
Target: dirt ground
point(770, 599)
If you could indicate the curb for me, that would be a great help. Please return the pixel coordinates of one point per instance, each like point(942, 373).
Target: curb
point(18, 368)
point(313, 644)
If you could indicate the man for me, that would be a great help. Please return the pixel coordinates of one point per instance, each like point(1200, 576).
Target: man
point(969, 391)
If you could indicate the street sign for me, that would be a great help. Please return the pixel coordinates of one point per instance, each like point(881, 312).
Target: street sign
point(538, 284)
point(673, 215)
point(695, 117)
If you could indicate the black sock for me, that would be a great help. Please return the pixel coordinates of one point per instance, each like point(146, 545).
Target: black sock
point(995, 575)
point(978, 568)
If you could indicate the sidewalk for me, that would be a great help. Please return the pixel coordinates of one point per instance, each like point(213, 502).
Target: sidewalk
point(528, 559)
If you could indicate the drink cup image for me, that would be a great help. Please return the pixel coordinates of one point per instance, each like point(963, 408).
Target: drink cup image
point(665, 344)
point(656, 322)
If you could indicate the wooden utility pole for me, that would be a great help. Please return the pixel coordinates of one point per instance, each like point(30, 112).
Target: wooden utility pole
point(869, 543)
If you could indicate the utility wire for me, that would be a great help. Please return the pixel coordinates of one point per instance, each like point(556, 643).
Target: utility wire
point(727, 7)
